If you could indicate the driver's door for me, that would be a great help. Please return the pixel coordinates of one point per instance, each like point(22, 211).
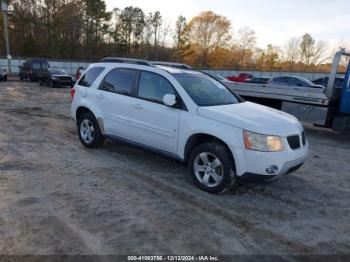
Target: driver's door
point(153, 123)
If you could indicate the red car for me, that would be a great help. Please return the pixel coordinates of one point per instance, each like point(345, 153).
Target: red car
point(242, 77)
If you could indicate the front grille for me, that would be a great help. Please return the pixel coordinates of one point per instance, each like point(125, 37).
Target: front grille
point(294, 142)
point(303, 138)
point(65, 78)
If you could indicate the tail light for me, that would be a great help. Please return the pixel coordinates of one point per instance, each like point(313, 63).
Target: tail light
point(72, 92)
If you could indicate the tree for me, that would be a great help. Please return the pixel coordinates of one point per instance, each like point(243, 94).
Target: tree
point(181, 38)
point(268, 58)
point(156, 22)
point(307, 48)
point(247, 41)
point(208, 32)
point(132, 23)
point(291, 51)
point(95, 24)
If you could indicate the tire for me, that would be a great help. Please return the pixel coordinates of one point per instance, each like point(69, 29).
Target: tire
point(40, 82)
point(52, 84)
point(218, 175)
point(92, 136)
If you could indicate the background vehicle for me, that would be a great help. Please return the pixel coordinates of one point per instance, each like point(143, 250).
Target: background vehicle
point(79, 72)
point(242, 77)
point(259, 80)
point(323, 106)
point(56, 78)
point(293, 81)
point(3, 74)
point(189, 116)
point(338, 82)
point(31, 69)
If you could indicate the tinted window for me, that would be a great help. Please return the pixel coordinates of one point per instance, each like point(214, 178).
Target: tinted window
point(90, 76)
point(36, 65)
point(45, 65)
point(154, 87)
point(339, 83)
point(205, 91)
point(119, 81)
point(295, 82)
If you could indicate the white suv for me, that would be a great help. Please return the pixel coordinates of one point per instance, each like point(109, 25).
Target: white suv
point(188, 116)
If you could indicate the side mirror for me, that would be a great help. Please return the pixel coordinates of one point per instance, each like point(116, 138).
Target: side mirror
point(169, 100)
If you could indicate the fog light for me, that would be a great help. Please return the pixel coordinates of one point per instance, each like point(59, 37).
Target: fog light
point(272, 170)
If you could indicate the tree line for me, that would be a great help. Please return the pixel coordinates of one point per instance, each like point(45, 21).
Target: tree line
point(85, 30)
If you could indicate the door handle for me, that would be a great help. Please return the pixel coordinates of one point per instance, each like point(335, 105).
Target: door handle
point(137, 106)
point(100, 96)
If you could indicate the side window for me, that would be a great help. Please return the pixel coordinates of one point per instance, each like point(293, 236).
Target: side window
point(295, 82)
point(277, 80)
point(36, 65)
point(120, 80)
point(90, 76)
point(45, 66)
point(154, 87)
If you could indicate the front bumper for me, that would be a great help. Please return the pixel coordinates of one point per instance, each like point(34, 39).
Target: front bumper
point(63, 83)
point(254, 165)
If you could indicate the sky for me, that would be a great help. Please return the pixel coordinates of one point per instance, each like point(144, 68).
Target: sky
point(274, 21)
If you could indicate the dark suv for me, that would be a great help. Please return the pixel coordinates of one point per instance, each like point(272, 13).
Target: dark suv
point(32, 68)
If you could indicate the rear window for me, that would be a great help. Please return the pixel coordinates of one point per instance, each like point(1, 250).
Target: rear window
point(90, 76)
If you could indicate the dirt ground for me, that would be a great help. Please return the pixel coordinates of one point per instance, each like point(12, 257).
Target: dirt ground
point(56, 197)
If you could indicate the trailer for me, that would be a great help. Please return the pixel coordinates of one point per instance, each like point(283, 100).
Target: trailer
point(328, 107)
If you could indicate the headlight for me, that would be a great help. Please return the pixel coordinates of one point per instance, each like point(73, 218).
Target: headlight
point(264, 143)
point(54, 78)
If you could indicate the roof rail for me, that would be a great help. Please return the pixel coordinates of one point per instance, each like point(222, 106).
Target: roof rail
point(125, 60)
point(172, 64)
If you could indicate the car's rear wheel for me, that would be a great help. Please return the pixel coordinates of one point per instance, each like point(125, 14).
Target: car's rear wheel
point(89, 131)
point(212, 167)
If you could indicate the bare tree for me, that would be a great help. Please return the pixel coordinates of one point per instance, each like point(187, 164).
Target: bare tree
point(246, 41)
point(319, 53)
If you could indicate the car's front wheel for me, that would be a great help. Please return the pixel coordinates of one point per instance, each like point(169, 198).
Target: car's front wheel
point(212, 167)
point(89, 131)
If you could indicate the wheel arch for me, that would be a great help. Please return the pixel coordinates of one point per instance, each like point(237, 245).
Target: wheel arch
point(200, 138)
point(84, 109)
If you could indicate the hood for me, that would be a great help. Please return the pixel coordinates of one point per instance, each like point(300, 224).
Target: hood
point(254, 117)
point(58, 76)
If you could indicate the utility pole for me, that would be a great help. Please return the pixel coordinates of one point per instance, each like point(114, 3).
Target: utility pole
point(5, 10)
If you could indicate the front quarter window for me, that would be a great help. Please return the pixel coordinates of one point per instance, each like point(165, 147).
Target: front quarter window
point(204, 90)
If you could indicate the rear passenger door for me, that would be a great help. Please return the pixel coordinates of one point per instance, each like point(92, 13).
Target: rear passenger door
point(114, 99)
point(153, 123)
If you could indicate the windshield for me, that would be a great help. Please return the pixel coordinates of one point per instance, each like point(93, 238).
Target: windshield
point(58, 72)
point(205, 91)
